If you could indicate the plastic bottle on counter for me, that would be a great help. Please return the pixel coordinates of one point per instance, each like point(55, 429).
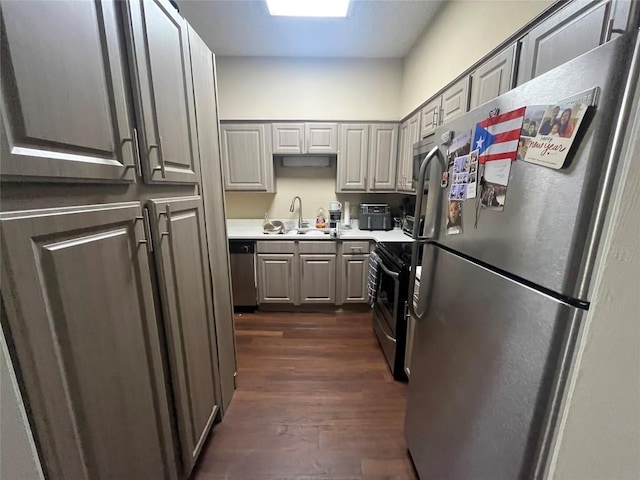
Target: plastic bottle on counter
point(321, 219)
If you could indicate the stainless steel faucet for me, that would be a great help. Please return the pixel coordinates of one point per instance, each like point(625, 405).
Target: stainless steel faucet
point(292, 208)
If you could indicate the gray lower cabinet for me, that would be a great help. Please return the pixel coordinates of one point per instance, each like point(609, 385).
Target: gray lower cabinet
point(355, 271)
point(317, 278)
point(61, 122)
point(246, 157)
point(494, 77)
point(180, 248)
point(277, 278)
point(577, 28)
point(77, 295)
point(163, 90)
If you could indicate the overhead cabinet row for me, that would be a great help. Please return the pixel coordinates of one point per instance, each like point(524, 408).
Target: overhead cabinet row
point(65, 123)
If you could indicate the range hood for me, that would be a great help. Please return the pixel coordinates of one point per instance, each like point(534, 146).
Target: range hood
point(314, 161)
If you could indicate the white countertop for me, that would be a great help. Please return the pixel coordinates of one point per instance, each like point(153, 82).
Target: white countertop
point(251, 229)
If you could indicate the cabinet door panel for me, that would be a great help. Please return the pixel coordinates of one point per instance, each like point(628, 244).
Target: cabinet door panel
point(493, 78)
point(204, 91)
point(76, 284)
point(183, 267)
point(288, 138)
point(165, 94)
point(383, 157)
point(317, 278)
point(65, 114)
point(277, 278)
point(574, 30)
point(321, 138)
point(246, 157)
point(353, 157)
point(430, 117)
point(455, 100)
point(355, 270)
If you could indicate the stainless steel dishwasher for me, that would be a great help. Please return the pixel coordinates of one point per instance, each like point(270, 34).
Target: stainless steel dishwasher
point(243, 273)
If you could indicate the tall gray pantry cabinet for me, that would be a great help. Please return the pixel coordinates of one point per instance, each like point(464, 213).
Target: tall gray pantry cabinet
point(115, 282)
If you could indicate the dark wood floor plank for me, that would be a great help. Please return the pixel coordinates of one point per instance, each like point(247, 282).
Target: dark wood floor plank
point(315, 400)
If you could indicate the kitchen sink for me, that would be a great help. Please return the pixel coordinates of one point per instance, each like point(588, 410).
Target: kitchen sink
point(308, 232)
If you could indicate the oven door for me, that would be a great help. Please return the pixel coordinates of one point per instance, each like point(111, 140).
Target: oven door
point(388, 295)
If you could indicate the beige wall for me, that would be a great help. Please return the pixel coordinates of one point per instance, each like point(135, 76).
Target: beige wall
point(308, 89)
point(316, 187)
point(462, 32)
point(600, 428)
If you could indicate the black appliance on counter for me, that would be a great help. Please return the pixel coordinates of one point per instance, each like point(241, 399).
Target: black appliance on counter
point(409, 222)
point(375, 216)
point(390, 304)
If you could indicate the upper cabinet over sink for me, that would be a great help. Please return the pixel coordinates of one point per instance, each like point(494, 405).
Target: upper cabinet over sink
point(305, 138)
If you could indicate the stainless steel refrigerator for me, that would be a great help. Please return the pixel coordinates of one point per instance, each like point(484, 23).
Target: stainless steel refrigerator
point(503, 302)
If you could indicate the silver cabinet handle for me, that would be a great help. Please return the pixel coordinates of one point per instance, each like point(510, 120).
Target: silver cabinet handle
point(135, 150)
point(434, 122)
point(167, 213)
point(162, 168)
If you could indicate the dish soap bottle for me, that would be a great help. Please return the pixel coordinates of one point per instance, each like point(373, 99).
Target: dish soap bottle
point(321, 219)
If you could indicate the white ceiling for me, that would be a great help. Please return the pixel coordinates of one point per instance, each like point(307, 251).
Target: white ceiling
point(373, 28)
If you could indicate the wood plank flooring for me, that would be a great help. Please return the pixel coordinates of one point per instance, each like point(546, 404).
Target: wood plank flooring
point(315, 400)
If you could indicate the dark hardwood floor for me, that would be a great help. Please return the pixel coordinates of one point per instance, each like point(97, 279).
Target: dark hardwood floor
point(314, 400)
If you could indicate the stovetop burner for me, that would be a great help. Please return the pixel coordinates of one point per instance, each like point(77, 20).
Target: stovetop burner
point(397, 252)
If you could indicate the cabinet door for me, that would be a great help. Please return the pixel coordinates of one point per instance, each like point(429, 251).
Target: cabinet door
point(277, 278)
point(355, 271)
point(574, 30)
point(204, 92)
point(403, 142)
point(246, 157)
point(317, 278)
point(353, 157)
point(161, 68)
point(288, 138)
point(455, 100)
point(185, 292)
point(77, 291)
point(493, 78)
point(64, 97)
point(321, 138)
point(430, 116)
point(383, 157)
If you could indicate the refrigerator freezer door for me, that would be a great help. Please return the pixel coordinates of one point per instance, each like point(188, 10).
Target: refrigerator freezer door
point(482, 370)
point(545, 229)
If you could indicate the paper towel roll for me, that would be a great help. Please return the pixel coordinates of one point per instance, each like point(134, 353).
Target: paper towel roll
point(346, 217)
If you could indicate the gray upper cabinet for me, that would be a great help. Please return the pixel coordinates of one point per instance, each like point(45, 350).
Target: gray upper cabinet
point(178, 232)
point(64, 96)
point(288, 138)
point(430, 114)
point(493, 78)
point(321, 138)
point(164, 92)
point(383, 150)
point(409, 134)
point(353, 157)
point(317, 278)
point(455, 100)
point(246, 157)
point(78, 299)
point(299, 138)
point(577, 28)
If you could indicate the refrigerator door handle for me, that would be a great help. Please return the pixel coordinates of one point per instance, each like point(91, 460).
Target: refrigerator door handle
point(421, 239)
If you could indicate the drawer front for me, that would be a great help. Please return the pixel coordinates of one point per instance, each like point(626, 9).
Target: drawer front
point(275, 246)
point(321, 246)
point(355, 248)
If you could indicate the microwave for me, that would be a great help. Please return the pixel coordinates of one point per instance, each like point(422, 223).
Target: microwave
point(420, 150)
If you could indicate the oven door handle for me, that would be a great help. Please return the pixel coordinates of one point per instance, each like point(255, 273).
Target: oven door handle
point(395, 275)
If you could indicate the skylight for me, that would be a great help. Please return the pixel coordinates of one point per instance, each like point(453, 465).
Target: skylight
point(308, 8)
